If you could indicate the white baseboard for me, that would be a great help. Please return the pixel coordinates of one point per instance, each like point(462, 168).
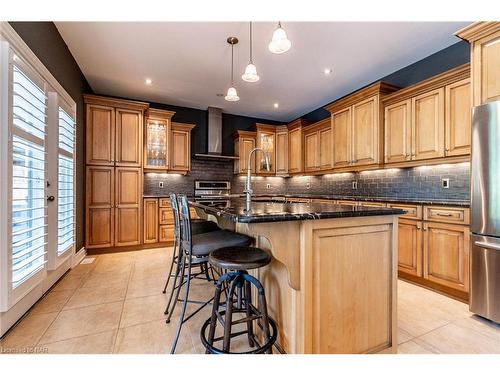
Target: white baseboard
point(78, 257)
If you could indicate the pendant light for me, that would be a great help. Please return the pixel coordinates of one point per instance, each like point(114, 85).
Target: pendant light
point(232, 94)
point(250, 74)
point(280, 42)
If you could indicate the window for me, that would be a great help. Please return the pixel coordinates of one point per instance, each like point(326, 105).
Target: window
point(65, 189)
point(29, 210)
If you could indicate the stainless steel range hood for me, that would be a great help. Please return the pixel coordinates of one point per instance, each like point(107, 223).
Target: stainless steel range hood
point(215, 136)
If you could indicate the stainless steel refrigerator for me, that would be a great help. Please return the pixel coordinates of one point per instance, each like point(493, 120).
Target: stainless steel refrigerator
point(485, 212)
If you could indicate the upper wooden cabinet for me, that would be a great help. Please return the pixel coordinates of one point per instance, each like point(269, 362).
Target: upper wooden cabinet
point(318, 153)
point(266, 139)
point(157, 134)
point(114, 131)
point(356, 125)
point(485, 60)
point(180, 147)
point(281, 150)
point(295, 153)
point(429, 121)
point(244, 142)
point(428, 125)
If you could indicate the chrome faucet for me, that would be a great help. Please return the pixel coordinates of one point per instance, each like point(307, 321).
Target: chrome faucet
point(248, 184)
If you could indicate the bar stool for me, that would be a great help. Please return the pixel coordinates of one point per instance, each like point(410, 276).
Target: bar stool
point(198, 226)
point(239, 300)
point(194, 250)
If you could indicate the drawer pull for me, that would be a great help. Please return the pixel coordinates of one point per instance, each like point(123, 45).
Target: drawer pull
point(444, 214)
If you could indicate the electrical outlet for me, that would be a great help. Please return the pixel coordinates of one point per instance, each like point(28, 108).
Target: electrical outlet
point(355, 185)
point(445, 183)
point(268, 186)
point(308, 185)
point(160, 184)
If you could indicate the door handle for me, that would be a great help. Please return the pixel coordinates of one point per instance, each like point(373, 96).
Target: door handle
point(487, 245)
point(51, 198)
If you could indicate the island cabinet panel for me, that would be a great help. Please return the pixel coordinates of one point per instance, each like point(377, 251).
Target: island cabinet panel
point(357, 316)
point(311, 151)
point(100, 202)
point(410, 247)
point(282, 151)
point(150, 212)
point(295, 161)
point(446, 255)
point(458, 118)
point(365, 132)
point(128, 206)
point(398, 132)
point(428, 125)
point(342, 138)
point(325, 148)
point(100, 135)
point(129, 131)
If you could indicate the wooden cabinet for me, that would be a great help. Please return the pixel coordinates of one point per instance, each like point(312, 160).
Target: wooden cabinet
point(100, 138)
point(244, 142)
point(281, 150)
point(157, 134)
point(129, 130)
point(428, 125)
point(398, 132)
point(429, 121)
point(357, 127)
point(295, 153)
point(342, 138)
point(410, 247)
point(150, 214)
point(100, 202)
point(318, 153)
point(485, 60)
point(365, 132)
point(458, 118)
point(266, 139)
point(454, 215)
point(180, 147)
point(446, 255)
point(128, 206)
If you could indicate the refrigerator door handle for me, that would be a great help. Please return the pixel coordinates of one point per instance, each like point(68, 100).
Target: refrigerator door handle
point(487, 245)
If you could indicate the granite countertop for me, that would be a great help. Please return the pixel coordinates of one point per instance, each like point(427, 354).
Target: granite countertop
point(280, 211)
point(426, 201)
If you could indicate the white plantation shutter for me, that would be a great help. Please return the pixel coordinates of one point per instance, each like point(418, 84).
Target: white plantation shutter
point(65, 190)
point(29, 207)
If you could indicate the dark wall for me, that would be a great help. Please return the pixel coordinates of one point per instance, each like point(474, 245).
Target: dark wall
point(45, 41)
point(439, 62)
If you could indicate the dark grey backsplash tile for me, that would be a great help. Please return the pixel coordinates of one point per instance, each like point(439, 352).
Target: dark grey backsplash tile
point(419, 182)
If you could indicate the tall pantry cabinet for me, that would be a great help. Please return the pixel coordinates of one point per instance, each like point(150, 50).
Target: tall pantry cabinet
point(114, 131)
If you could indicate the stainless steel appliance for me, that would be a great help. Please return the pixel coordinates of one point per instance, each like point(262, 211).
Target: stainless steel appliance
point(485, 212)
point(215, 193)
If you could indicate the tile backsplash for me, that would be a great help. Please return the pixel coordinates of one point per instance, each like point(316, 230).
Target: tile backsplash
point(418, 182)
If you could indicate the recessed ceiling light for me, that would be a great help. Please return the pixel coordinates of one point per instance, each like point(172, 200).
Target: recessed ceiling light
point(276, 105)
point(328, 71)
point(148, 81)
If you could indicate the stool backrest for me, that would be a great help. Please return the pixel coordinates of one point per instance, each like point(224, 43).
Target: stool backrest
point(185, 218)
point(175, 212)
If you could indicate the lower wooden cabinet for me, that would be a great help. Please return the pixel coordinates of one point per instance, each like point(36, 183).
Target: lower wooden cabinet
point(446, 255)
point(166, 233)
point(410, 247)
point(128, 190)
point(150, 212)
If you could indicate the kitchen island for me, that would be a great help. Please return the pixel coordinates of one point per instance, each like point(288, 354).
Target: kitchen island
point(331, 286)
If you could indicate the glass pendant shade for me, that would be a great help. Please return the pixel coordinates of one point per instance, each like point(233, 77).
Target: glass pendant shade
point(232, 95)
point(280, 42)
point(250, 74)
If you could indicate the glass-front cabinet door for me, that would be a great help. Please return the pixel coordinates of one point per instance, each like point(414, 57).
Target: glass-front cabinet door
point(266, 138)
point(157, 139)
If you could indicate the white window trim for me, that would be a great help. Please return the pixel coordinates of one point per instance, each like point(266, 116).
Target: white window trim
point(15, 43)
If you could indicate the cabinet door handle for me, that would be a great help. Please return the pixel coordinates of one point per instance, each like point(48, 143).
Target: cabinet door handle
point(443, 214)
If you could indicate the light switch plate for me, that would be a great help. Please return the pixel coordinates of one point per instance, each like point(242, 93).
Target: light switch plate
point(268, 186)
point(355, 185)
point(445, 183)
point(160, 184)
point(308, 185)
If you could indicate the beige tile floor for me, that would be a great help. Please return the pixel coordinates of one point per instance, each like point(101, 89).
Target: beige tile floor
point(115, 305)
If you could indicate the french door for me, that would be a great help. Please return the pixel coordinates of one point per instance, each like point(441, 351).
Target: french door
point(37, 160)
